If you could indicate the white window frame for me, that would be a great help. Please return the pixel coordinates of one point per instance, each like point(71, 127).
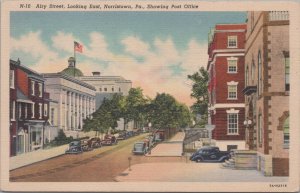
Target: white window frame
point(20, 110)
point(45, 109)
point(231, 39)
point(260, 130)
point(40, 110)
point(32, 110)
point(230, 64)
point(287, 72)
point(232, 84)
point(25, 111)
point(232, 130)
point(12, 79)
point(32, 87)
point(40, 89)
point(286, 143)
point(13, 118)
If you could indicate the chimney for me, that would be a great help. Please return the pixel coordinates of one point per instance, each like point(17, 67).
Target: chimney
point(96, 73)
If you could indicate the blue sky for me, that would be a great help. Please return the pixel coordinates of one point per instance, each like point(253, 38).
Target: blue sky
point(115, 43)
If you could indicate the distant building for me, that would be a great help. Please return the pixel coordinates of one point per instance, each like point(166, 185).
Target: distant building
point(267, 90)
point(106, 87)
point(75, 98)
point(29, 109)
point(226, 81)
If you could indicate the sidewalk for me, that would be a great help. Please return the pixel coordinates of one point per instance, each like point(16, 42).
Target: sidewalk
point(191, 172)
point(173, 147)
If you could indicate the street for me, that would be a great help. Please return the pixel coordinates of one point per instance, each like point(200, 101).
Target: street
point(99, 165)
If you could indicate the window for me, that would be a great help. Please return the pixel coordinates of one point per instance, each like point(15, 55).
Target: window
point(105, 89)
point(32, 88)
point(259, 129)
point(260, 83)
point(12, 110)
point(232, 123)
point(232, 66)
point(45, 110)
point(20, 110)
point(32, 110)
point(25, 111)
point(119, 89)
point(40, 90)
point(232, 42)
point(113, 89)
point(232, 92)
point(247, 76)
point(252, 71)
point(100, 89)
point(287, 73)
point(12, 79)
point(286, 133)
point(52, 116)
point(40, 110)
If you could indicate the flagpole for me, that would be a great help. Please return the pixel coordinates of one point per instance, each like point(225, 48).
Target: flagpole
point(74, 59)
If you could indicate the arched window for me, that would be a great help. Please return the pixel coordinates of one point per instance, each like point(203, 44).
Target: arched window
point(246, 76)
point(252, 71)
point(260, 129)
point(286, 133)
point(260, 83)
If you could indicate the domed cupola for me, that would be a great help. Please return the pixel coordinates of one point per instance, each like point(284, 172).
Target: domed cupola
point(72, 70)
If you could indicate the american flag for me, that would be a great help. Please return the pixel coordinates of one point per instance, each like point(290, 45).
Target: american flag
point(78, 47)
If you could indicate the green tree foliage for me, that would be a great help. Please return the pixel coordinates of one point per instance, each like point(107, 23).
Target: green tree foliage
point(166, 112)
point(106, 116)
point(200, 93)
point(134, 107)
point(163, 112)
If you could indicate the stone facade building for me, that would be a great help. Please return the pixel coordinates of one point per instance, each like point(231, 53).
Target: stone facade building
point(226, 82)
point(75, 98)
point(267, 90)
point(29, 109)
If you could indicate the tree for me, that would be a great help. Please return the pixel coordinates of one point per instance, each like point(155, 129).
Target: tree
point(106, 116)
point(200, 93)
point(134, 106)
point(166, 112)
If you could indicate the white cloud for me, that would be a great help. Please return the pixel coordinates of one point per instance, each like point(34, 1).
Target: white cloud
point(152, 74)
point(63, 41)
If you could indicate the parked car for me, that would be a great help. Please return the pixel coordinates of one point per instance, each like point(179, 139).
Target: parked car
point(86, 145)
point(140, 148)
point(74, 147)
point(95, 142)
point(122, 136)
point(109, 140)
point(210, 154)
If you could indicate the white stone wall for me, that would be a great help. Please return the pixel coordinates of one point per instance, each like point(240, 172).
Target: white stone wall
point(222, 144)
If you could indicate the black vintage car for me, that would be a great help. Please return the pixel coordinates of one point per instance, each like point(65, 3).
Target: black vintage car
point(210, 154)
point(74, 147)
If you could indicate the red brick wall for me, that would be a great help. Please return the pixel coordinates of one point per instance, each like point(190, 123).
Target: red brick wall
point(280, 166)
point(222, 77)
point(231, 27)
point(22, 81)
point(220, 121)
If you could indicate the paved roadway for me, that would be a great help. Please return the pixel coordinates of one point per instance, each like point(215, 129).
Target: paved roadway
point(99, 165)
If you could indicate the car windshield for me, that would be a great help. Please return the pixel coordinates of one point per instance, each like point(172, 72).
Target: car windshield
point(138, 145)
point(74, 143)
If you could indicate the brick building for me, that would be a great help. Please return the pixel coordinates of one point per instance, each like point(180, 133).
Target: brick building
point(267, 90)
point(28, 109)
point(226, 82)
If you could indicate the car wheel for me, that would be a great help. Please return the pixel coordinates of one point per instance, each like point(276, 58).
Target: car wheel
point(198, 160)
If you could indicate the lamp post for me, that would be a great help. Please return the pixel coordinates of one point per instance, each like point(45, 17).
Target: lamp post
point(247, 124)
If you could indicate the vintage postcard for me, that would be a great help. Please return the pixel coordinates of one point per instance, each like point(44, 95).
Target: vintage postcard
point(150, 96)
